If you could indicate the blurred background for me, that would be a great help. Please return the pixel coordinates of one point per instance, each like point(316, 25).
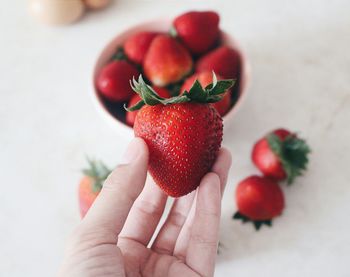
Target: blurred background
point(299, 54)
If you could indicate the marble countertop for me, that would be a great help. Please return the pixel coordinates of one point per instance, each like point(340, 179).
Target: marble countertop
point(299, 52)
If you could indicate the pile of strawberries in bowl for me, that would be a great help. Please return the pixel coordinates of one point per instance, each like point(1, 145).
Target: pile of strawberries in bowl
point(170, 55)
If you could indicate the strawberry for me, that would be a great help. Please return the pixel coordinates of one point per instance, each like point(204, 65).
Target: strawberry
point(130, 116)
point(281, 155)
point(136, 46)
point(205, 78)
point(113, 80)
point(199, 31)
point(91, 184)
point(166, 61)
point(224, 61)
point(183, 133)
point(259, 199)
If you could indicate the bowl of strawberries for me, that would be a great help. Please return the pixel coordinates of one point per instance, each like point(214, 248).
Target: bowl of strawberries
point(171, 55)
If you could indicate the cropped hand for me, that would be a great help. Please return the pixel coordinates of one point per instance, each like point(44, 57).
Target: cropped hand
point(114, 237)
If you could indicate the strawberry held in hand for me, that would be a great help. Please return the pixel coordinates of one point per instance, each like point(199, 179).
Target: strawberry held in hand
point(91, 185)
point(113, 82)
point(183, 133)
point(281, 155)
point(259, 199)
point(166, 61)
point(136, 46)
point(199, 31)
point(224, 61)
point(206, 78)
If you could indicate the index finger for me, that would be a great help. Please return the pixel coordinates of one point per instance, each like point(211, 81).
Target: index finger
point(122, 187)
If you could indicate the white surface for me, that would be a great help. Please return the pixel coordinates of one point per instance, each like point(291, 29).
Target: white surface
point(299, 52)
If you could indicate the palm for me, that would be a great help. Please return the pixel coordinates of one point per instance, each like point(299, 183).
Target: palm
point(114, 237)
point(139, 260)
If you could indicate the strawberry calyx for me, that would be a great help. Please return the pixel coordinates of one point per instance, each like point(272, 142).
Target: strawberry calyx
point(210, 94)
point(292, 152)
point(257, 223)
point(98, 172)
point(119, 55)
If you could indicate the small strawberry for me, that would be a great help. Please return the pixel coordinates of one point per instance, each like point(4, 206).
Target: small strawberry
point(166, 61)
point(281, 155)
point(224, 61)
point(199, 31)
point(91, 185)
point(136, 46)
point(183, 133)
point(206, 78)
point(130, 116)
point(113, 82)
point(259, 199)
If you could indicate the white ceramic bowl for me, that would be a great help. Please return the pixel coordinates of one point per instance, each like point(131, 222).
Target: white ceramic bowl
point(161, 25)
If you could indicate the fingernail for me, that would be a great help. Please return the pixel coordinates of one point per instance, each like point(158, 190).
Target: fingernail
point(132, 152)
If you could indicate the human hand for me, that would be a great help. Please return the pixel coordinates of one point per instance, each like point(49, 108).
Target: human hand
point(113, 238)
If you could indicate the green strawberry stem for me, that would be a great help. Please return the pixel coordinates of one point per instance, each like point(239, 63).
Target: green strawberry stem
point(292, 152)
point(210, 94)
point(98, 171)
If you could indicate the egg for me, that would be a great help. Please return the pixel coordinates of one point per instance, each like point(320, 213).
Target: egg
point(56, 12)
point(96, 4)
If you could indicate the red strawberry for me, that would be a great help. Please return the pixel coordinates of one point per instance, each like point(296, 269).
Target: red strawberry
point(281, 155)
point(136, 46)
point(130, 116)
point(198, 30)
point(205, 78)
point(259, 199)
point(166, 61)
point(113, 82)
point(91, 185)
point(224, 61)
point(183, 133)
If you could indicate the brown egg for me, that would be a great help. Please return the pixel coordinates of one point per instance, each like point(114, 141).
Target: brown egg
point(56, 12)
point(96, 4)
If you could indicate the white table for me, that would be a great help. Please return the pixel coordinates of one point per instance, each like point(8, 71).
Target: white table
point(299, 51)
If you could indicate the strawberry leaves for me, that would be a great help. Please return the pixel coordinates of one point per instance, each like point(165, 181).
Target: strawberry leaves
point(257, 223)
point(292, 152)
point(98, 171)
point(210, 94)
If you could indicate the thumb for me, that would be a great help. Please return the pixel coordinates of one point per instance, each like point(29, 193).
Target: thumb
point(121, 188)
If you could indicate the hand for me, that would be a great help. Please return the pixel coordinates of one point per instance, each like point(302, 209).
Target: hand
point(113, 238)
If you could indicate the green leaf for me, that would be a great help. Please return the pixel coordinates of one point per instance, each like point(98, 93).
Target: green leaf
point(211, 94)
point(257, 223)
point(214, 98)
point(98, 171)
point(175, 99)
point(119, 55)
point(197, 93)
point(221, 87)
point(293, 153)
point(136, 107)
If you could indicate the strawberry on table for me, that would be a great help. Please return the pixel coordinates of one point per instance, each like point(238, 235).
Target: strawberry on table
point(113, 82)
point(183, 133)
point(224, 61)
point(206, 78)
point(130, 116)
point(199, 31)
point(259, 199)
point(166, 61)
point(281, 155)
point(136, 46)
point(91, 185)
